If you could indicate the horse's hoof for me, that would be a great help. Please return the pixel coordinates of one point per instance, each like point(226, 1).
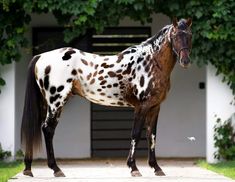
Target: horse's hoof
point(28, 173)
point(159, 173)
point(135, 174)
point(59, 174)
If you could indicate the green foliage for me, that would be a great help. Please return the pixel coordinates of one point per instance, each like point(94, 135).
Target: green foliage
point(12, 28)
point(213, 24)
point(19, 155)
point(4, 154)
point(224, 140)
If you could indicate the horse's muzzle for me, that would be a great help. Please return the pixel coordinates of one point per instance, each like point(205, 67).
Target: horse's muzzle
point(184, 59)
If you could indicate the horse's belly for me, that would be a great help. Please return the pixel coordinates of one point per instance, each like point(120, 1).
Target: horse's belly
point(107, 97)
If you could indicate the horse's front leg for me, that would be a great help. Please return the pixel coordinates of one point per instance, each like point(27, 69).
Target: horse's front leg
point(48, 129)
point(135, 137)
point(151, 126)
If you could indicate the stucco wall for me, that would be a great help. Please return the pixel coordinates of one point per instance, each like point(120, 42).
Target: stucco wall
point(218, 99)
point(183, 115)
point(7, 101)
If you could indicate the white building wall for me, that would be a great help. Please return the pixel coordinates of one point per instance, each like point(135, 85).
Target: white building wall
point(7, 111)
point(218, 99)
point(182, 115)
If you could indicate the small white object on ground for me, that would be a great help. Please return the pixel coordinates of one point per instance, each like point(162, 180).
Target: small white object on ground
point(191, 138)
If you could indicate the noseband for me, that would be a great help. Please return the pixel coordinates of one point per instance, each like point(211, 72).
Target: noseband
point(178, 53)
point(182, 48)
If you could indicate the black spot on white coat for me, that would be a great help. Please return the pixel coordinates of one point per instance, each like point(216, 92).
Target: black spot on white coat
point(67, 55)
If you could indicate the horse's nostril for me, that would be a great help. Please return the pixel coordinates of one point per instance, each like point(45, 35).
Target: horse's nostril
point(185, 62)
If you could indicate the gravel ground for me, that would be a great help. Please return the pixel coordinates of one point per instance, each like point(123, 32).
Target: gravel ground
point(115, 170)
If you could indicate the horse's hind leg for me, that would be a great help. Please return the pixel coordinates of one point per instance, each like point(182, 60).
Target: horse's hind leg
point(48, 129)
point(152, 118)
point(28, 163)
point(135, 137)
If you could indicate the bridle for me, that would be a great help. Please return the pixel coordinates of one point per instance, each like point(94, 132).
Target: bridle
point(182, 48)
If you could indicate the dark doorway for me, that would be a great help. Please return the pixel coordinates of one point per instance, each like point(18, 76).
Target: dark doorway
point(49, 38)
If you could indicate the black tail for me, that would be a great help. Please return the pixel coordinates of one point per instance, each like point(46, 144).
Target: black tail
point(32, 114)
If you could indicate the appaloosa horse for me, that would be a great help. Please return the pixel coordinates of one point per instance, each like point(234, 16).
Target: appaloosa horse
point(138, 77)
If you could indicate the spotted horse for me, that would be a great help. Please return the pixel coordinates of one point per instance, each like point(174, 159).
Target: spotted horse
point(138, 77)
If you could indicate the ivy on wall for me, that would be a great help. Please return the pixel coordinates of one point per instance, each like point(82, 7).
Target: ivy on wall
point(213, 24)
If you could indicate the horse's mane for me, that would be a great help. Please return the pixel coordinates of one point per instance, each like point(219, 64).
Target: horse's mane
point(154, 41)
point(157, 39)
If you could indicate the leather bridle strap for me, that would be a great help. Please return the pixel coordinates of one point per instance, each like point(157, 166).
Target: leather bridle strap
point(178, 53)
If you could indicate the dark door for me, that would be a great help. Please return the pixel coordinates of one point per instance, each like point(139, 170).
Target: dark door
point(49, 38)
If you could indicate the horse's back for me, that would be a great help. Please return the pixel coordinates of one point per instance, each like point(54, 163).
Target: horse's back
point(64, 71)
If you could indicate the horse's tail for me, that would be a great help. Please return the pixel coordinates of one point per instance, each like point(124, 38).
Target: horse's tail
point(32, 114)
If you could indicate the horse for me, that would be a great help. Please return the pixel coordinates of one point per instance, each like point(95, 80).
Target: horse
point(137, 77)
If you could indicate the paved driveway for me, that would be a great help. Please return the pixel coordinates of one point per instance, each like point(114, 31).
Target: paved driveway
point(116, 171)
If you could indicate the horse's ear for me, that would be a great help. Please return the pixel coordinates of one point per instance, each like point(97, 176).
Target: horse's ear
point(189, 22)
point(175, 22)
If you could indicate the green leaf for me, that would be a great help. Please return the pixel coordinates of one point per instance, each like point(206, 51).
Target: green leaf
point(2, 82)
point(198, 14)
point(20, 30)
point(89, 10)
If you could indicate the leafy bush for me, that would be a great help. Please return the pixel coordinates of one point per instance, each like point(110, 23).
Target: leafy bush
point(4, 154)
point(224, 140)
point(19, 155)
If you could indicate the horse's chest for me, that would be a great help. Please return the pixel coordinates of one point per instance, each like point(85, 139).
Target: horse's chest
point(162, 88)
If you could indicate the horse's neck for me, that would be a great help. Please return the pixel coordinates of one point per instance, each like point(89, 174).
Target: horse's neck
point(164, 60)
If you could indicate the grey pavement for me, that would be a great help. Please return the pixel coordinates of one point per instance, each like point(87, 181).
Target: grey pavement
point(115, 170)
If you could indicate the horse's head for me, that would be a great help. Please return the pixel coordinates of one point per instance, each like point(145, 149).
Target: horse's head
point(181, 39)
